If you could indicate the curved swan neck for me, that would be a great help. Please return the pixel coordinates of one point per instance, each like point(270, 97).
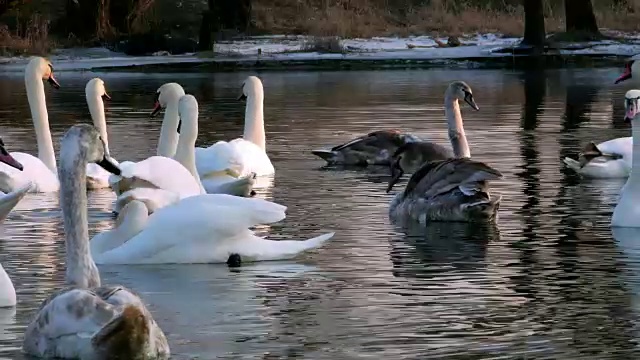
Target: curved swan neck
point(457, 135)
point(168, 134)
point(96, 109)
point(81, 269)
point(186, 149)
point(254, 119)
point(38, 106)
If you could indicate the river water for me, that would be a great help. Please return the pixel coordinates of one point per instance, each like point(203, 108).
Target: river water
point(549, 280)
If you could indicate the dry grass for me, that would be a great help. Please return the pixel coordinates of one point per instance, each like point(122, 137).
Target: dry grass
point(367, 18)
point(32, 39)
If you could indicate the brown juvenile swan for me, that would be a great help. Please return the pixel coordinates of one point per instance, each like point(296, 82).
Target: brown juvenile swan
point(374, 148)
point(453, 189)
point(88, 320)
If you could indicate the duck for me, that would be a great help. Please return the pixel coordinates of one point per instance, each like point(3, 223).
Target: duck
point(241, 157)
point(96, 94)
point(223, 170)
point(452, 189)
point(39, 171)
point(86, 319)
point(606, 160)
point(206, 228)
point(627, 212)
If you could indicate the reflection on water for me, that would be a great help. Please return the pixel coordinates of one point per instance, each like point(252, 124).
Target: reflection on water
point(549, 280)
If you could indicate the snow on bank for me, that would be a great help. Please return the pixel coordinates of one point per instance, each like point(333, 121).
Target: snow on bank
point(281, 48)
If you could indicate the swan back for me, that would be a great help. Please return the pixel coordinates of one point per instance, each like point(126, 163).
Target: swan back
point(7, 291)
point(167, 97)
point(80, 144)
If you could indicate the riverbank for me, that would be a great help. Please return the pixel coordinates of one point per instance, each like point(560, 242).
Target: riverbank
point(308, 53)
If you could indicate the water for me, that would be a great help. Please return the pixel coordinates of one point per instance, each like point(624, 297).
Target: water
point(550, 280)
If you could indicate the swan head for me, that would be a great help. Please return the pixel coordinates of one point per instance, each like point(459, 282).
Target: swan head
point(88, 145)
point(250, 87)
point(6, 158)
point(95, 88)
point(166, 94)
point(461, 91)
point(188, 110)
point(631, 67)
point(631, 104)
point(39, 67)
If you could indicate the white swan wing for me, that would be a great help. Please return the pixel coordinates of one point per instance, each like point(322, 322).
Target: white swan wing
point(216, 159)
point(622, 146)
point(66, 322)
point(10, 200)
point(254, 159)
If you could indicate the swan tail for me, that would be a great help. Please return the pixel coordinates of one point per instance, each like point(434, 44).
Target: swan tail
point(124, 336)
point(265, 250)
point(572, 164)
point(327, 155)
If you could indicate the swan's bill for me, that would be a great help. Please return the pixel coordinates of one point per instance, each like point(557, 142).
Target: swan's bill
point(156, 104)
point(108, 164)
point(6, 158)
point(52, 80)
point(396, 173)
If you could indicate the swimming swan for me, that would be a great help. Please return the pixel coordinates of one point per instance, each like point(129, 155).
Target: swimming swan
point(41, 170)
point(627, 211)
point(88, 320)
point(207, 228)
point(245, 155)
point(222, 164)
point(609, 159)
point(374, 148)
point(453, 189)
point(96, 93)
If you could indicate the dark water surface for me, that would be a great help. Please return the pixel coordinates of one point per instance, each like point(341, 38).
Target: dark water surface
point(549, 280)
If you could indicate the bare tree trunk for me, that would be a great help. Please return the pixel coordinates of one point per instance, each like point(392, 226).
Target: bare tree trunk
point(534, 32)
point(579, 17)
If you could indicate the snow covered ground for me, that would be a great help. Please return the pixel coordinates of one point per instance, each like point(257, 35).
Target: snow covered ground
point(282, 48)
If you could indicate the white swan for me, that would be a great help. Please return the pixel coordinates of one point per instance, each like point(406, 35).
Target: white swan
point(41, 170)
point(244, 155)
point(7, 291)
point(208, 228)
point(609, 159)
point(222, 175)
point(95, 93)
point(87, 320)
point(627, 211)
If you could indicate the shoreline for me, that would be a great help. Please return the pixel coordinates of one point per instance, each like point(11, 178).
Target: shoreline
point(281, 53)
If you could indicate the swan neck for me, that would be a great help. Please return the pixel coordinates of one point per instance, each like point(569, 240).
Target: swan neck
point(254, 120)
point(186, 149)
point(81, 270)
point(457, 135)
point(96, 109)
point(40, 117)
point(634, 177)
point(168, 132)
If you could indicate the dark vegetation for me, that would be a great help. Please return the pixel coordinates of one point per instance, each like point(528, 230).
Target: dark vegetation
point(145, 26)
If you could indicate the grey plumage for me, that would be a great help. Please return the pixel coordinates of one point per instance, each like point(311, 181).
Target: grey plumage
point(375, 148)
point(448, 190)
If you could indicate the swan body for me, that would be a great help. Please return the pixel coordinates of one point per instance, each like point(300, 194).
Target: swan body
point(453, 189)
point(87, 320)
point(96, 93)
point(374, 148)
point(245, 155)
point(627, 210)
point(41, 170)
point(609, 159)
point(206, 228)
point(7, 291)
point(9, 200)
